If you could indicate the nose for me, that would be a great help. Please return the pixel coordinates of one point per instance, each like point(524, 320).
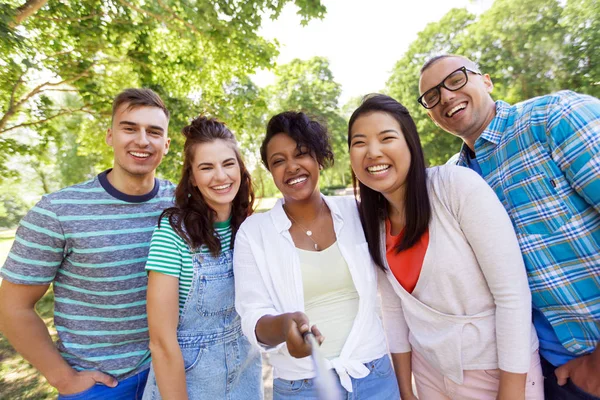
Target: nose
point(373, 150)
point(220, 173)
point(141, 138)
point(292, 166)
point(446, 95)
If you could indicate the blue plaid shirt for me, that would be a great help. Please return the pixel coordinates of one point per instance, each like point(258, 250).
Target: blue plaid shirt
point(542, 158)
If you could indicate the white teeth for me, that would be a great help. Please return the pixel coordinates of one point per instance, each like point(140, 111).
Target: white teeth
point(378, 169)
point(297, 180)
point(222, 187)
point(455, 109)
point(141, 155)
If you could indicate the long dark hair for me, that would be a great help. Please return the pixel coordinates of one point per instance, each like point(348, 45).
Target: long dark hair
point(372, 205)
point(191, 217)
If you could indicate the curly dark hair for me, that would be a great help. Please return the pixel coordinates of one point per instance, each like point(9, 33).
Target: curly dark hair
point(191, 217)
point(306, 132)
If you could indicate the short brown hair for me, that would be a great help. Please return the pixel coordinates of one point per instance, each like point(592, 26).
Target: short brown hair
point(435, 59)
point(136, 97)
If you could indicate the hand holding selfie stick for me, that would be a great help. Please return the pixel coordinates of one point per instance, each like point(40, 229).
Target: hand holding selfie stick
point(325, 379)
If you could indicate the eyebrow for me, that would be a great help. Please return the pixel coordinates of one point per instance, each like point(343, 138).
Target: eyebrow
point(129, 123)
point(380, 133)
point(209, 164)
point(275, 154)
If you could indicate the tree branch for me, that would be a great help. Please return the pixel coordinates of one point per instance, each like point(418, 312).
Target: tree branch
point(15, 107)
point(151, 14)
point(14, 90)
point(41, 121)
point(26, 10)
point(82, 18)
point(178, 18)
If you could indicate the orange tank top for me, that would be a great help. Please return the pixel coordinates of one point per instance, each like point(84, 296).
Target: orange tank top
point(405, 265)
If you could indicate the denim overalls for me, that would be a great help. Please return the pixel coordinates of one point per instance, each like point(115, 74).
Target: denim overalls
point(219, 361)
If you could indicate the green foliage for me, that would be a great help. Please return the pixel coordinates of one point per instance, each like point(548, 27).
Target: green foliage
point(62, 66)
point(12, 205)
point(444, 36)
point(529, 48)
point(308, 86)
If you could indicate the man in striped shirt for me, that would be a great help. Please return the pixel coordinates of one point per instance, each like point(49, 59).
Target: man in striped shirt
point(91, 242)
point(542, 158)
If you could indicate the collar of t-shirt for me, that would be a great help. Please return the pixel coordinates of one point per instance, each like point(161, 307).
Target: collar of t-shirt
point(110, 189)
point(472, 161)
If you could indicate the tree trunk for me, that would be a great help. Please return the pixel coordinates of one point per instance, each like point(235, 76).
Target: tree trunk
point(26, 10)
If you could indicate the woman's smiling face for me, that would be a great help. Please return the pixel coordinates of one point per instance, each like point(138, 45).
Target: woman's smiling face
point(294, 169)
point(379, 154)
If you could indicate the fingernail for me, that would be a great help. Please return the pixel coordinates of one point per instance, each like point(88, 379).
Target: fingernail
point(304, 327)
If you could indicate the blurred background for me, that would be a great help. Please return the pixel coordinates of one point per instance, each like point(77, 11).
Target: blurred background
point(62, 62)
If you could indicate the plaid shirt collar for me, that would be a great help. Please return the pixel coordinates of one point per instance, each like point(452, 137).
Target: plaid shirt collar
point(492, 133)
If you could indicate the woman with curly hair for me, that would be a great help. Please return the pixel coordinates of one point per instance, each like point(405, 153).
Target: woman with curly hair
point(197, 345)
point(306, 262)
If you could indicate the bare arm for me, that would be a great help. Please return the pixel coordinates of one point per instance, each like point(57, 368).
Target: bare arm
point(27, 333)
point(403, 368)
point(289, 327)
point(163, 316)
point(512, 386)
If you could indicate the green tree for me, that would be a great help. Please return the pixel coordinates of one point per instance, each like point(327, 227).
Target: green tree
point(189, 52)
point(308, 86)
point(529, 48)
point(520, 44)
point(581, 21)
point(444, 36)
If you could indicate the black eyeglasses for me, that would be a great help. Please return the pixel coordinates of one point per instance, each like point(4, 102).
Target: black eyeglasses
point(452, 82)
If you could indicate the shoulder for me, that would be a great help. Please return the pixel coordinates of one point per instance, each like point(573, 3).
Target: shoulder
point(346, 206)
point(560, 101)
point(166, 186)
point(452, 181)
point(346, 202)
point(166, 191)
point(449, 173)
point(256, 220)
point(70, 195)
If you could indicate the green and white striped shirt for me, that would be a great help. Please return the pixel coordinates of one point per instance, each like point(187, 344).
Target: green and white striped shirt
point(171, 255)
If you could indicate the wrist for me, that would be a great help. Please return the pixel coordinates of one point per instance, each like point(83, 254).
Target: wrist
point(61, 378)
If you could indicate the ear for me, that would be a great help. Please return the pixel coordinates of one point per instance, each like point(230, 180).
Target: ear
point(108, 138)
point(167, 145)
point(487, 81)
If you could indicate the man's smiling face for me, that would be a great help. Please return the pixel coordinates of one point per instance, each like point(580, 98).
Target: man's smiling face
point(139, 139)
point(465, 112)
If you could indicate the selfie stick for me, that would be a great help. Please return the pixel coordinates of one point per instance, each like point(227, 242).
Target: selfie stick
point(325, 379)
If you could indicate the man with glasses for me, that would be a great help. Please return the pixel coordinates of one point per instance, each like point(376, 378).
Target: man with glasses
point(542, 158)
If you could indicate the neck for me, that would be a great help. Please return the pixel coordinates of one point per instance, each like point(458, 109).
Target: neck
point(305, 210)
point(134, 185)
point(396, 202)
point(470, 139)
point(223, 213)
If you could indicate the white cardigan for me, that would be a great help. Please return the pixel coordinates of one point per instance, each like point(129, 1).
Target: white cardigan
point(268, 281)
point(471, 307)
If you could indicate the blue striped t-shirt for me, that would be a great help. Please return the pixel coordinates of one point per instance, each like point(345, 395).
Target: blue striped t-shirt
point(91, 241)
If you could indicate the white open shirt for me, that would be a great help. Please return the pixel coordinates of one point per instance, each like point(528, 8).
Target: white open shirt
point(268, 281)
